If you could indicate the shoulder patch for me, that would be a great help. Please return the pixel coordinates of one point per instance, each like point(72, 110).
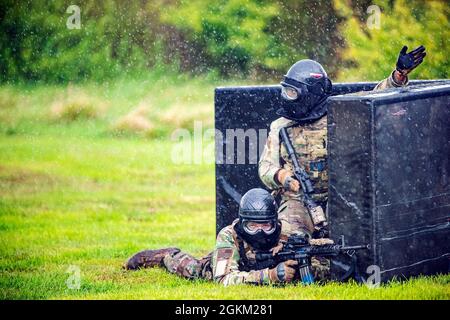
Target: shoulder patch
point(223, 260)
point(220, 268)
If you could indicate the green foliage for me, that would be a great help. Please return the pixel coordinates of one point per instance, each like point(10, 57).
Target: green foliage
point(305, 29)
point(233, 32)
point(232, 37)
point(263, 37)
point(371, 54)
point(256, 39)
point(115, 37)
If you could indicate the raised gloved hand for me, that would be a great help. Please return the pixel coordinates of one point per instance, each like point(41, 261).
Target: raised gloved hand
point(287, 181)
point(284, 272)
point(407, 62)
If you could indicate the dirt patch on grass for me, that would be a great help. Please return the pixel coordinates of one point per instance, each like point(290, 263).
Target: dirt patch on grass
point(8, 99)
point(15, 175)
point(135, 122)
point(183, 116)
point(21, 181)
point(76, 104)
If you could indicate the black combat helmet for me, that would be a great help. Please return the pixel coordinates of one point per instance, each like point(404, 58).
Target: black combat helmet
point(305, 88)
point(258, 206)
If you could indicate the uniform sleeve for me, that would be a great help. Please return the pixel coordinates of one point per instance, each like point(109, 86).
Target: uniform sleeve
point(225, 263)
point(269, 163)
point(390, 83)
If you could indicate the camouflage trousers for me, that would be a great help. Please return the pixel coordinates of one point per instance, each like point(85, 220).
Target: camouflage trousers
point(187, 266)
point(294, 217)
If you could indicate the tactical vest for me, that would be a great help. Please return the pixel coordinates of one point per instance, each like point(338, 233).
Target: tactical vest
point(310, 144)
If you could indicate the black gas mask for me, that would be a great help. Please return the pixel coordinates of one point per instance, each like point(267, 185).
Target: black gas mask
point(305, 89)
point(258, 220)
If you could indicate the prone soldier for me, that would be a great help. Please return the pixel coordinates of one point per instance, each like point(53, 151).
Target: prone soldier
point(233, 260)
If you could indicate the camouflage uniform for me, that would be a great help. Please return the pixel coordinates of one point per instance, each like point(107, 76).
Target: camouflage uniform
point(230, 263)
point(310, 144)
point(189, 267)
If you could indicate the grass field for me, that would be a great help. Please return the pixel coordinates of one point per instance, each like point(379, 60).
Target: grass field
point(75, 191)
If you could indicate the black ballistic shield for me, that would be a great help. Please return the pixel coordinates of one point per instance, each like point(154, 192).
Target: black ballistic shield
point(389, 164)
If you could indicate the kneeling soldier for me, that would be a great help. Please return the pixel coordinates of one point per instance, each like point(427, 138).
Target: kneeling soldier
point(305, 89)
point(233, 259)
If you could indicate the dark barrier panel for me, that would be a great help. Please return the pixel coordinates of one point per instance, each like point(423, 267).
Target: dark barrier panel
point(246, 111)
point(250, 109)
point(389, 178)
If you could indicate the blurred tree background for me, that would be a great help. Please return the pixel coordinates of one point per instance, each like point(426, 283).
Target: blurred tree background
point(255, 39)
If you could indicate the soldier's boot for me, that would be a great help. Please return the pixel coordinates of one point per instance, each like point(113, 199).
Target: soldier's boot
point(149, 258)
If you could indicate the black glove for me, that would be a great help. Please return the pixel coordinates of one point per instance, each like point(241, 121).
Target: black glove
point(283, 272)
point(407, 62)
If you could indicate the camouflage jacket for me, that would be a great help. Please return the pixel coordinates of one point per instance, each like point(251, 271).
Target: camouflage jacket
point(226, 260)
point(310, 144)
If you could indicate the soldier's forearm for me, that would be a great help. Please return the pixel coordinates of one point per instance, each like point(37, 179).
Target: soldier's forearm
point(399, 78)
point(392, 82)
point(267, 173)
point(241, 277)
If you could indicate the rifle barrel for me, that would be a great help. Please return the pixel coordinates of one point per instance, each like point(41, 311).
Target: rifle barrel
point(356, 247)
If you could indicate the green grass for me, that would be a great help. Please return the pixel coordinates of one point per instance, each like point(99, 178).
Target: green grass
point(71, 194)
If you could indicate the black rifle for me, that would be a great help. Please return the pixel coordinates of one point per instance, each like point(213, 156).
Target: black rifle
point(315, 211)
point(298, 248)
